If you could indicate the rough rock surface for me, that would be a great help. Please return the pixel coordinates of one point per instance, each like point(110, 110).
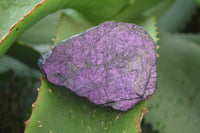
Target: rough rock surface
point(113, 64)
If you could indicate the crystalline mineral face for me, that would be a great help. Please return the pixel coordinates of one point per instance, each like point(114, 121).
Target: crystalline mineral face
point(113, 64)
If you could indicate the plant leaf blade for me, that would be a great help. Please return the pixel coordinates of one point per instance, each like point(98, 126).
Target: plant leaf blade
point(175, 103)
point(58, 110)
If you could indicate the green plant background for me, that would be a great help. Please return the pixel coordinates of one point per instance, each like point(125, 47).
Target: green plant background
point(27, 29)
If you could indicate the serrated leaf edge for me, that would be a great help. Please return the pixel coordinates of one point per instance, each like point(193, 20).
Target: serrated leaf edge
point(33, 105)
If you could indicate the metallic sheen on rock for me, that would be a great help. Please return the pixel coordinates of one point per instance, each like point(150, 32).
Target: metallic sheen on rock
point(113, 64)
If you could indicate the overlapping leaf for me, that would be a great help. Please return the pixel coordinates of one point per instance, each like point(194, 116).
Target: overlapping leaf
point(175, 105)
point(178, 15)
point(20, 19)
point(68, 27)
point(19, 50)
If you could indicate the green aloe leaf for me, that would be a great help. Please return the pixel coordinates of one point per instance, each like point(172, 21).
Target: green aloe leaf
point(12, 11)
point(16, 23)
point(176, 18)
point(23, 14)
point(25, 54)
point(36, 36)
point(67, 27)
point(91, 8)
point(81, 116)
point(192, 37)
point(134, 9)
point(175, 105)
point(149, 26)
point(159, 9)
point(58, 110)
point(42, 32)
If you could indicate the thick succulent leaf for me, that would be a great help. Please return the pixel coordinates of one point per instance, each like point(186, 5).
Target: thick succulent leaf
point(35, 35)
point(25, 54)
point(58, 110)
point(192, 37)
point(178, 15)
point(140, 10)
point(13, 10)
point(19, 26)
point(67, 27)
point(149, 26)
point(77, 16)
point(159, 9)
point(42, 32)
point(92, 10)
point(134, 9)
point(175, 105)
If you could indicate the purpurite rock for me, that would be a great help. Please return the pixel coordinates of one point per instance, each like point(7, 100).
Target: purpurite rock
point(113, 64)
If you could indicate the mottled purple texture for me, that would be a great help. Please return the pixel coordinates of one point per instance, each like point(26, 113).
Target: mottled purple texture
point(113, 64)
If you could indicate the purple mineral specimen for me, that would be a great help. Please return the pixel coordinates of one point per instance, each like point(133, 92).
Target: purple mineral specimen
point(113, 64)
